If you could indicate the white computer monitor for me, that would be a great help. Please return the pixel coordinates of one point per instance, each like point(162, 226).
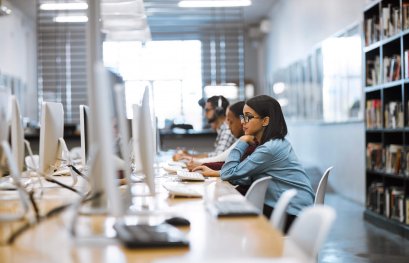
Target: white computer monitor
point(17, 134)
point(51, 131)
point(84, 122)
point(147, 148)
point(5, 113)
point(102, 173)
point(123, 126)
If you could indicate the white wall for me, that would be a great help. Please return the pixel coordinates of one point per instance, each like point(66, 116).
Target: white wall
point(18, 55)
point(297, 26)
point(338, 145)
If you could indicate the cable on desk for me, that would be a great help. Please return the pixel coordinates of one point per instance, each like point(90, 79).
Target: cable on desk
point(78, 172)
point(64, 186)
point(48, 215)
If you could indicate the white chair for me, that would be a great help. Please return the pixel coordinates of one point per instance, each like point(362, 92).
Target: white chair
point(257, 192)
point(278, 217)
point(308, 232)
point(322, 186)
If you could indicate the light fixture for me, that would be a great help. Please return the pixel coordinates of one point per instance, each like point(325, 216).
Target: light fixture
point(70, 19)
point(279, 87)
point(64, 6)
point(122, 8)
point(121, 23)
point(214, 3)
point(4, 10)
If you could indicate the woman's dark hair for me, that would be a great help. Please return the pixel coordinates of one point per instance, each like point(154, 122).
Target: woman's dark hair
point(237, 108)
point(266, 106)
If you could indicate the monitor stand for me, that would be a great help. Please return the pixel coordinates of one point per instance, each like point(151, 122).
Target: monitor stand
point(62, 148)
point(23, 195)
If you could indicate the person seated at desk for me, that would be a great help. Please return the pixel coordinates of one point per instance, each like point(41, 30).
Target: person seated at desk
point(263, 121)
point(215, 110)
point(210, 166)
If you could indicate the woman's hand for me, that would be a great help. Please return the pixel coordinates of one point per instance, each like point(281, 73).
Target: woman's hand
point(250, 139)
point(206, 171)
point(180, 156)
point(192, 164)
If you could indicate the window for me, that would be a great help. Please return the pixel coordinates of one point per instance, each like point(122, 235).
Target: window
point(171, 68)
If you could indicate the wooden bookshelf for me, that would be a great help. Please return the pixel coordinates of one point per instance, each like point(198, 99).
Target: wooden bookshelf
point(386, 88)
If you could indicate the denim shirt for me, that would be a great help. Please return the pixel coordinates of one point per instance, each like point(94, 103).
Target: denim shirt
point(277, 159)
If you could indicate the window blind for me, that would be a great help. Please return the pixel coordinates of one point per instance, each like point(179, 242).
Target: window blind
point(61, 54)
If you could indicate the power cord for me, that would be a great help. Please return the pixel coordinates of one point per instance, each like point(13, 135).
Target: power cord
point(43, 218)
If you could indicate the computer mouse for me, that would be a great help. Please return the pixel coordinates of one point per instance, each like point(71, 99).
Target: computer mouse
point(177, 221)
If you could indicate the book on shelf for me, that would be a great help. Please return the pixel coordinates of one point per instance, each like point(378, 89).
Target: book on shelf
point(372, 30)
point(393, 115)
point(391, 20)
point(375, 200)
point(396, 203)
point(393, 158)
point(374, 156)
point(405, 166)
point(391, 68)
point(405, 15)
point(373, 71)
point(373, 113)
point(407, 209)
point(406, 63)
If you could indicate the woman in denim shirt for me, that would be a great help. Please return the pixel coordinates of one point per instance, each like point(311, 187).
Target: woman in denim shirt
point(263, 121)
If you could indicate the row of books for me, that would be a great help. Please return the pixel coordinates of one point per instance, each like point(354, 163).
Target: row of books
point(392, 158)
point(391, 68)
point(391, 24)
point(393, 114)
point(373, 112)
point(390, 20)
point(389, 201)
point(372, 30)
point(373, 71)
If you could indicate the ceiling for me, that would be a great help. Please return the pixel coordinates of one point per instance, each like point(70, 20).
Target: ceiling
point(166, 18)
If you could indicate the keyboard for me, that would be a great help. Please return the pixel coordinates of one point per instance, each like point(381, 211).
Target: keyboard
point(181, 191)
point(232, 208)
point(190, 176)
point(172, 169)
point(147, 236)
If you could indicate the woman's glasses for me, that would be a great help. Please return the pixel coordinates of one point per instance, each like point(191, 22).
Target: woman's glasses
point(247, 118)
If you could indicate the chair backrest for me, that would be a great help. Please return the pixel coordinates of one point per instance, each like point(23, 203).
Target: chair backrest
point(279, 214)
point(308, 232)
point(322, 186)
point(257, 192)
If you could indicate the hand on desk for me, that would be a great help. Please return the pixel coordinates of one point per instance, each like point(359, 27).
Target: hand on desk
point(181, 155)
point(192, 164)
point(206, 171)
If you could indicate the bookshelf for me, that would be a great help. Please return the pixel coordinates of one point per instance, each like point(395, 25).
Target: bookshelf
point(386, 88)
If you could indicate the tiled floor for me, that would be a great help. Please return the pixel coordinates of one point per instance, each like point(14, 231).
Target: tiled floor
point(352, 239)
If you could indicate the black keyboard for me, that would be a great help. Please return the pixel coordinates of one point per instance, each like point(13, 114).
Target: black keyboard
point(232, 208)
point(147, 236)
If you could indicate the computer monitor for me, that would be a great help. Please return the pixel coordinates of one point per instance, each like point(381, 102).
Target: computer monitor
point(84, 122)
point(5, 113)
point(17, 134)
point(123, 128)
point(102, 174)
point(147, 139)
point(51, 130)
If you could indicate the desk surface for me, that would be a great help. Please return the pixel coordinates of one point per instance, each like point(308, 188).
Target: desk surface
point(209, 237)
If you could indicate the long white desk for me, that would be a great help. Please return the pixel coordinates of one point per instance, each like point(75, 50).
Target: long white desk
point(209, 237)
